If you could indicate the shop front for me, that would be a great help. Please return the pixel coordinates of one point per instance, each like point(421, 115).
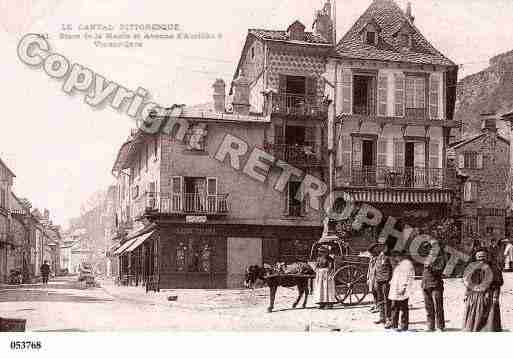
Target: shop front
point(216, 256)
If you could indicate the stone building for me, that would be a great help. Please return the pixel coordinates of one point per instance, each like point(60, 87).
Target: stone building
point(483, 162)
point(7, 245)
point(394, 115)
point(235, 191)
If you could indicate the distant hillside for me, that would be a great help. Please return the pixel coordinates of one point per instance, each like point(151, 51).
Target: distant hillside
point(490, 90)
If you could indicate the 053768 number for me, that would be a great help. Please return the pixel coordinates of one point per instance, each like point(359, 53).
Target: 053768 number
point(25, 345)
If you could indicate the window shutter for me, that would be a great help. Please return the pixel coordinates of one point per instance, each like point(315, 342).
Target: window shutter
point(398, 153)
point(434, 96)
point(420, 92)
point(474, 191)
point(311, 87)
point(347, 91)
point(461, 161)
point(410, 92)
point(382, 159)
point(479, 160)
point(177, 193)
point(399, 95)
point(357, 153)
point(344, 159)
point(434, 154)
point(467, 191)
point(212, 194)
point(419, 164)
point(382, 95)
point(278, 134)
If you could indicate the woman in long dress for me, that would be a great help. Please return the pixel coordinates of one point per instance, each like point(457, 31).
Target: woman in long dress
point(324, 284)
point(483, 281)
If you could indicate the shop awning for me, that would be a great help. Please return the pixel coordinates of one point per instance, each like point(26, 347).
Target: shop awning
point(138, 242)
point(124, 246)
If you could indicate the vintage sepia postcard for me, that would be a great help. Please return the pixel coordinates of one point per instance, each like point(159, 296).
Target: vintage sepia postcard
point(330, 166)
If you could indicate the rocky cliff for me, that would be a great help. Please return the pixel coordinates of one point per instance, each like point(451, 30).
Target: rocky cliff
point(490, 90)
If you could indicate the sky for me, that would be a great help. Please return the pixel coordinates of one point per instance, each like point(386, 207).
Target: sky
point(62, 150)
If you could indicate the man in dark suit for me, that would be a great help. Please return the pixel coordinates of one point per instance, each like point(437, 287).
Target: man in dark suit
point(45, 272)
point(382, 276)
point(433, 287)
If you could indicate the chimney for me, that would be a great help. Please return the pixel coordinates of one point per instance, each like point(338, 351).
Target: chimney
point(409, 14)
point(219, 95)
point(489, 122)
point(241, 94)
point(46, 214)
point(323, 23)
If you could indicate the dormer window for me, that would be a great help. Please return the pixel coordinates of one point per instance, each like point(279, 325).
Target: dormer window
point(403, 37)
point(370, 33)
point(405, 40)
point(370, 38)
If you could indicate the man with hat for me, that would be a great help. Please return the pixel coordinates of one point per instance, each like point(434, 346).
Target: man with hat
point(433, 286)
point(382, 276)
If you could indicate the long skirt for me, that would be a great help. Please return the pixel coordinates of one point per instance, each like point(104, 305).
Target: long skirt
point(481, 313)
point(324, 287)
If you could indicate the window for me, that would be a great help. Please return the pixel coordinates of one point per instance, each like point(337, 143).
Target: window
point(194, 255)
point(294, 205)
point(415, 92)
point(470, 160)
point(370, 38)
point(405, 40)
point(252, 53)
point(470, 226)
point(3, 199)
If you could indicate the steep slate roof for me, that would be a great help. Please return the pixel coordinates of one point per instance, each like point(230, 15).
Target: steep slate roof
point(390, 19)
point(282, 35)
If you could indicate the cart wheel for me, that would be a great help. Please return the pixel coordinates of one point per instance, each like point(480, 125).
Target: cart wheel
point(351, 284)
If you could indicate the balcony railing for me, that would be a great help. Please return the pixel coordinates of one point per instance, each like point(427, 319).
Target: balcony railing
point(308, 154)
point(188, 203)
point(296, 105)
point(398, 177)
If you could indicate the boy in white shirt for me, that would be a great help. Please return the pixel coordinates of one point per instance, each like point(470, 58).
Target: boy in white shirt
point(400, 290)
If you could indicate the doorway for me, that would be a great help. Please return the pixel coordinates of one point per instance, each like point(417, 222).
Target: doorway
point(409, 163)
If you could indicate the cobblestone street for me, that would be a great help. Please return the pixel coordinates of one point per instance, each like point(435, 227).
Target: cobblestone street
point(63, 306)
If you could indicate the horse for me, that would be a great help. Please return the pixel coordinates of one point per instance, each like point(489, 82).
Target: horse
point(280, 277)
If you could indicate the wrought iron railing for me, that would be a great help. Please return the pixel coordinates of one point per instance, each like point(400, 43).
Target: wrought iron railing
point(297, 105)
point(187, 203)
point(308, 154)
point(406, 177)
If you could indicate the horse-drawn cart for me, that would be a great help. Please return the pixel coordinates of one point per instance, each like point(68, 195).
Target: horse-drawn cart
point(350, 269)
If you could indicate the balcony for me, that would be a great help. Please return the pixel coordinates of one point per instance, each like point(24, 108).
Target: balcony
point(184, 204)
point(398, 177)
point(419, 113)
point(296, 105)
point(306, 155)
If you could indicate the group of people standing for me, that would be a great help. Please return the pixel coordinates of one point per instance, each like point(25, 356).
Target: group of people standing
point(390, 279)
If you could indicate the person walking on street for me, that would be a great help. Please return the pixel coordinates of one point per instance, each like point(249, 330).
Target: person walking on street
point(383, 274)
point(45, 272)
point(483, 280)
point(400, 290)
point(508, 256)
point(433, 287)
point(371, 276)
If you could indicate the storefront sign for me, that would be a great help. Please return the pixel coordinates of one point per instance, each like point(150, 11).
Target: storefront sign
point(196, 219)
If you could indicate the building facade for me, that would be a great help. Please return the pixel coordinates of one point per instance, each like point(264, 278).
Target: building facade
point(394, 115)
point(483, 163)
point(7, 245)
point(201, 212)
